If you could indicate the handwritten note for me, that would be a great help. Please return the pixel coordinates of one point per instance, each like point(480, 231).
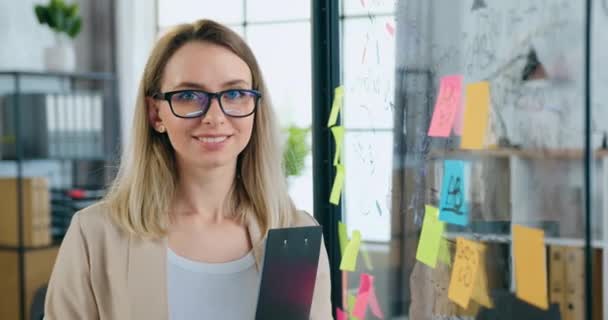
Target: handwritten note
point(453, 208)
point(475, 115)
point(336, 106)
point(336, 190)
point(464, 272)
point(430, 237)
point(447, 105)
point(338, 133)
point(349, 258)
point(530, 265)
point(342, 236)
point(481, 292)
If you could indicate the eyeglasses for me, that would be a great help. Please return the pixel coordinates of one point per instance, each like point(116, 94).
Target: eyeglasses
point(236, 103)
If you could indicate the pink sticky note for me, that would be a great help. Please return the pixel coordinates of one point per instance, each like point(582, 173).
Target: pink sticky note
point(374, 305)
point(341, 315)
point(361, 305)
point(367, 286)
point(390, 29)
point(447, 105)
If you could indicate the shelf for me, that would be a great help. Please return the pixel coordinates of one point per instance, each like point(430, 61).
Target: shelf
point(540, 154)
point(500, 238)
point(53, 74)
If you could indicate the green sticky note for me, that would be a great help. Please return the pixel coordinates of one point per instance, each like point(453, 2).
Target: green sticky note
point(444, 252)
point(342, 236)
point(338, 132)
point(351, 306)
point(367, 260)
point(336, 190)
point(349, 258)
point(336, 106)
point(430, 237)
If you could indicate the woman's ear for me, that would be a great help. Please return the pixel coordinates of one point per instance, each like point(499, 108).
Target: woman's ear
point(153, 114)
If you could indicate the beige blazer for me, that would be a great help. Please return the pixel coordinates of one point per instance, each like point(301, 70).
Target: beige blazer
point(104, 273)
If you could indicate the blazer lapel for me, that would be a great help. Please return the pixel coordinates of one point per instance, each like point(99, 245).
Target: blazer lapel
point(257, 240)
point(147, 279)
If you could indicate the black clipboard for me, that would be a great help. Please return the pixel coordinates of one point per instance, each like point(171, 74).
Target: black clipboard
point(289, 273)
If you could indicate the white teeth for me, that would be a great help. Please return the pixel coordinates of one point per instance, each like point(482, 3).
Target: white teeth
point(212, 140)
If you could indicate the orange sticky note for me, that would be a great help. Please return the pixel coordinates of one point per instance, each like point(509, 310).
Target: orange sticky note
point(475, 120)
point(464, 271)
point(430, 237)
point(349, 258)
point(480, 289)
point(447, 105)
point(530, 265)
point(336, 190)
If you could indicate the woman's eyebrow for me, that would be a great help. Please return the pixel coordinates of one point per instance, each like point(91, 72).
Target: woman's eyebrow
point(189, 84)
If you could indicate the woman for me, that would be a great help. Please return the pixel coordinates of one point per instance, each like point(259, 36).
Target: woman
point(180, 234)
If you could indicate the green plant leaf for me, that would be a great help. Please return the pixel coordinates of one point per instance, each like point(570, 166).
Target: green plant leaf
point(42, 14)
point(74, 26)
point(296, 150)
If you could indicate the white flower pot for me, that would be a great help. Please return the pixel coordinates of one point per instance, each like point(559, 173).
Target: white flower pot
point(61, 56)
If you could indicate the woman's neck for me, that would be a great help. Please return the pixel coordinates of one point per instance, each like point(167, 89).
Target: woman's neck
point(204, 194)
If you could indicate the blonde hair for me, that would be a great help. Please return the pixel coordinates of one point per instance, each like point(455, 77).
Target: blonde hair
point(140, 196)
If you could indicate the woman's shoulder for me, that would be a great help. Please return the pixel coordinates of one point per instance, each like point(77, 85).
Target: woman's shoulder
point(95, 221)
point(303, 219)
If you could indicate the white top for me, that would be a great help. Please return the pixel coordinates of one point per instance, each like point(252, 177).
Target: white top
point(198, 290)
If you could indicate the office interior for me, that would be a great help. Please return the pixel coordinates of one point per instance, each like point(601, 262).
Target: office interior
point(462, 177)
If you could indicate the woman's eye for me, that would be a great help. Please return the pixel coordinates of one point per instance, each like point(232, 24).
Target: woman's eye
point(234, 94)
point(186, 96)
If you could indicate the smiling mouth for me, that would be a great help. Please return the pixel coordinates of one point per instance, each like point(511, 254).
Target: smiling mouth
point(213, 139)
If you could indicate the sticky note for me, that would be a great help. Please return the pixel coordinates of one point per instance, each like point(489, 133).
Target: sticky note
point(349, 258)
point(367, 260)
point(444, 252)
point(342, 236)
point(338, 133)
point(336, 106)
point(341, 315)
point(530, 265)
point(351, 305)
point(336, 190)
point(430, 237)
point(447, 105)
point(453, 208)
point(464, 272)
point(475, 120)
point(366, 295)
point(481, 293)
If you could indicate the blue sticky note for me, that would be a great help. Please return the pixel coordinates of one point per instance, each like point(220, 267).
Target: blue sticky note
point(452, 207)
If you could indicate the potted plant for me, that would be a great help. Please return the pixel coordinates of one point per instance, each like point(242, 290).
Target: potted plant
point(296, 150)
point(65, 22)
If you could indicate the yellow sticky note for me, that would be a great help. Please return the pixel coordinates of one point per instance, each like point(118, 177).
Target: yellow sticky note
point(336, 106)
point(430, 237)
point(477, 106)
point(349, 258)
point(480, 289)
point(444, 252)
point(342, 236)
point(530, 265)
point(338, 132)
point(336, 190)
point(464, 272)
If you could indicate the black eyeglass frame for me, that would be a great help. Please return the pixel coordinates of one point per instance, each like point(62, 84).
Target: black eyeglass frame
point(218, 95)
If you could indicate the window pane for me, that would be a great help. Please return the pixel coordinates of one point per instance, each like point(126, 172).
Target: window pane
point(180, 11)
point(368, 163)
point(268, 10)
point(283, 52)
point(357, 7)
point(369, 64)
